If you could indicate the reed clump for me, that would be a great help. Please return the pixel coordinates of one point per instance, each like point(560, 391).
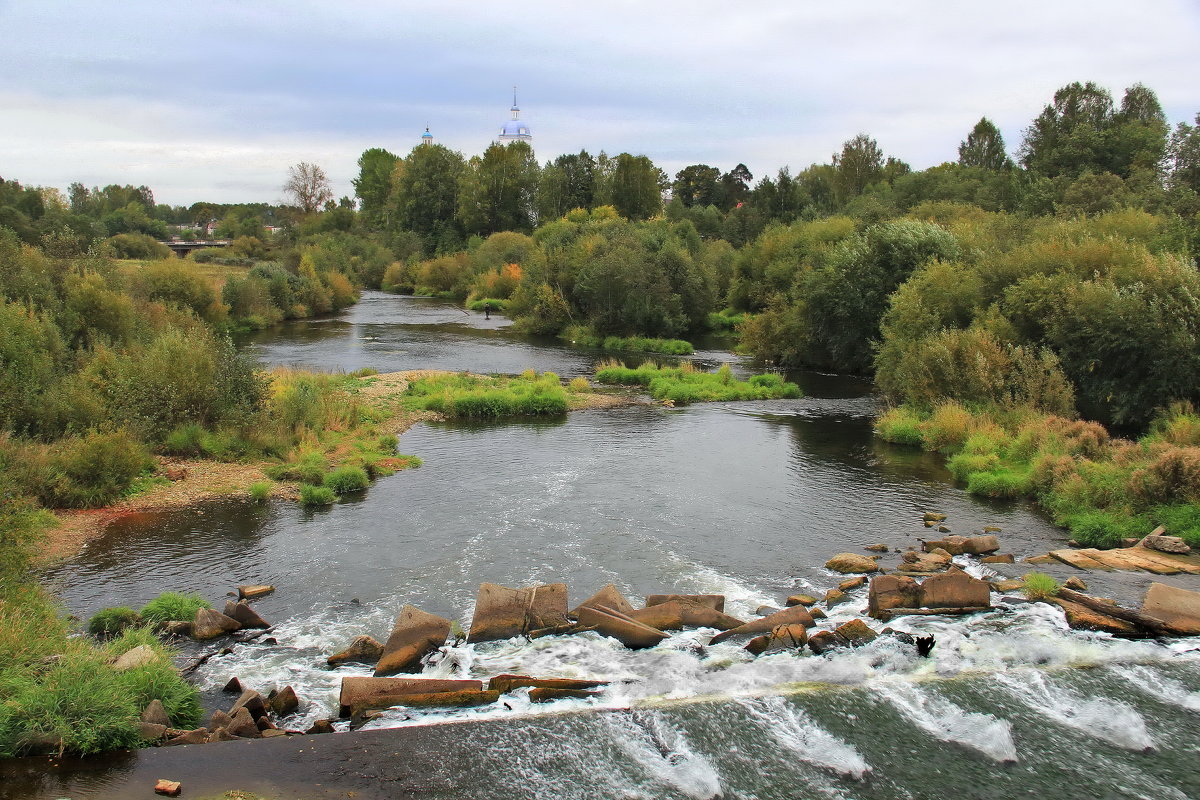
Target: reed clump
point(467, 396)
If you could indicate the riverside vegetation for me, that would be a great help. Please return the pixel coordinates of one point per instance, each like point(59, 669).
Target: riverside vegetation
point(1009, 310)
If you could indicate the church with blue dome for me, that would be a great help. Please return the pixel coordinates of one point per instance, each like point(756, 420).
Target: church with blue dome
point(515, 130)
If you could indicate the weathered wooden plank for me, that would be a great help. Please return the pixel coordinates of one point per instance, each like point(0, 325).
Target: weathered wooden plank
point(1078, 560)
point(1127, 560)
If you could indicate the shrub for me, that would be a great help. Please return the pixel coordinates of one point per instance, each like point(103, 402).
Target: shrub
point(317, 495)
point(306, 466)
point(900, 425)
point(345, 480)
point(1040, 586)
point(260, 491)
point(685, 384)
point(184, 440)
point(579, 385)
point(947, 428)
point(1003, 482)
point(170, 606)
point(137, 245)
point(1102, 529)
point(109, 621)
point(93, 470)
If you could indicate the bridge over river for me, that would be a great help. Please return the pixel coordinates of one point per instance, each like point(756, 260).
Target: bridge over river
point(181, 249)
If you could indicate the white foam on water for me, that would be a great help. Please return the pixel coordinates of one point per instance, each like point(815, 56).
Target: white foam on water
point(1110, 720)
point(950, 723)
point(662, 750)
point(796, 731)
point(1149, 682)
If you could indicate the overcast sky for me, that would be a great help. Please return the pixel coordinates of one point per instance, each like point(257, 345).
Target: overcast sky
point(214, 100)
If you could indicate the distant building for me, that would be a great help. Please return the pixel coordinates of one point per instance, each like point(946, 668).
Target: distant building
point(426, 137)
point(515, 130)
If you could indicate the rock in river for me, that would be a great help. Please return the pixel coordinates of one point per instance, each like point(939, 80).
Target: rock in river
point(415, 635)
point(629, 632)
point(608, 597)
point(210, 624)
point(362, 650)
point(850, 563)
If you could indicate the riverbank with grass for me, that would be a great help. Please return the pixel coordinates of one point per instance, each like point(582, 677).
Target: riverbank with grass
point(465, 396)
point(582, 336)
point(1101, 488)
point(686, 384)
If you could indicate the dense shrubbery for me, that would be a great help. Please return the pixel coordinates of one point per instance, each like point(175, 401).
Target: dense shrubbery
point(1102, 489)
point(686, 384)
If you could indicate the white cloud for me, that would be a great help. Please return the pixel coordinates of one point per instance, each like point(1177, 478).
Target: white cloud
point(215, 101)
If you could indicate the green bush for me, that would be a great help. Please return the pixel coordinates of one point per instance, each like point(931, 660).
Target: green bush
point(170, 606)
point(317, 495)
point(1003, 482)
point(345, 480)
point(900, 425)
point(109, 621)
point(473, 397)
point(1040, 586)
point(1100, 528)
point(184, 440)
point(93, 470)
point(260, 491)
point(306, 466)
point(492, 304)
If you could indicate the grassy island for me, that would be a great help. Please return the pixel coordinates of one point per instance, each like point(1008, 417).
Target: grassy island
point(686, 384)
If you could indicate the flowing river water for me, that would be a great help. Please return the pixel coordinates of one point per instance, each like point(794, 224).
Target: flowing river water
point(747, 500)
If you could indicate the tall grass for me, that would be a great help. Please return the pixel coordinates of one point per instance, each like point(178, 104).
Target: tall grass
point(464, 396)
point(686, 384)
point(586, 337)
point(171, 606)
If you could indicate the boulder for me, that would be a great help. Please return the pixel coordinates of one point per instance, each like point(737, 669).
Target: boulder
point(285, 701)
point(547, 694)
point(1075, 583)
point(783, 637)
point(801, 600)
point(209, 624)
point(219, 719)
point(715, 601)
point(251, 591)
point(136, 657)
point(798, 615)
point(506, 683)
point(855, 632)
point(362, 650)
point(850, 634)
point(833, 597)
point(156, 713)
point(177, 627)
point(609, 597)
point(852, 583)
point(166, 787)
point(502, 613)
point(848, 563)
point(1179, 609)
point(629, 632)
point(763, 611)
point(320, 726)
point(361, 694)
point(197, 736)
point(980, 545)
point(265, 724)
point(1084, 618)
point(234, 686)
point(892, 591)
point(273, 733)
point(1006, 558)
point(245, 615)
point(954, 545)
point(242, 724)
point(1045, 558)
point(221, 735)
point(415, 635)
point(955, 590)
point(924, 562)
point(818, 613)
point(876, 548)
point(933, 516)
point(151, 731)
point(675, 615)
point(1165, 544)
point(1010, 585)
point(462, 698)
point(252, 701)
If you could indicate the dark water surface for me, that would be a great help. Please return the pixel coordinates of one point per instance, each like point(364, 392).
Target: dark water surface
point(747, 500)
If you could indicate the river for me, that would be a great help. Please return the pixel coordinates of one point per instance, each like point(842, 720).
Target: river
point(747, 500)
